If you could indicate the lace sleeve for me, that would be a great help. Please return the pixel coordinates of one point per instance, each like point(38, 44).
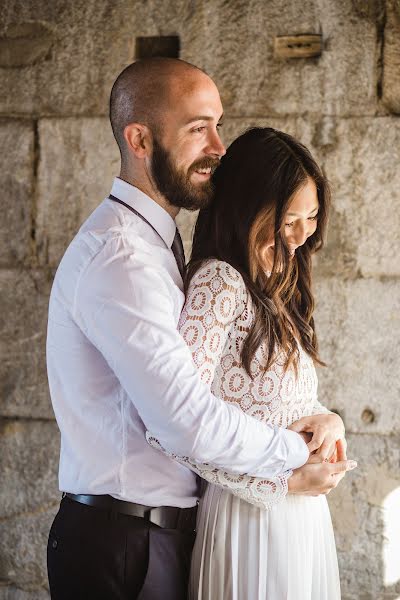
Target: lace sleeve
point(215, 298)
point(264, 493)
point(320, 409)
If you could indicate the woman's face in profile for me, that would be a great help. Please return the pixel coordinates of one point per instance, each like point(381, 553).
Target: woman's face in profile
point(300, 222)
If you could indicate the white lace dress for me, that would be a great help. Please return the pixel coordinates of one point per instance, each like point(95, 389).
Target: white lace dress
point(254, 542)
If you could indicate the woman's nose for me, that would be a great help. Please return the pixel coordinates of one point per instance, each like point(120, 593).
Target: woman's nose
point(301, 234)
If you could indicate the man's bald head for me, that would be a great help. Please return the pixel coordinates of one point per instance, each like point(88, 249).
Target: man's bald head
point(141, 92)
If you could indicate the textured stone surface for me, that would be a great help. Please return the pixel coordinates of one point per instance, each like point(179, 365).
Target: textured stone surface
point(361, 525)
point(15, 593)
point(358, 323)
point(17, 185)
point(89, 46)
point(29, 461)
point(255, 83)
point(25, 44)
point(391, 57)
point(29, 499)
point(23, 321)
point(363, 168)
point(91, 43)
point(23, 548)
point(78, 161)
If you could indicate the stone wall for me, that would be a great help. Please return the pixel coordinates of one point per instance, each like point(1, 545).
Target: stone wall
point(57, 62)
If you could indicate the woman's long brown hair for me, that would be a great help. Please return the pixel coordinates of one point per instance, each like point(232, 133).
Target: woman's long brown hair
point(254, 186)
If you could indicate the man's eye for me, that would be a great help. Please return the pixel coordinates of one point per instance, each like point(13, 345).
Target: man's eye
point(199, 129)
point(219, 125)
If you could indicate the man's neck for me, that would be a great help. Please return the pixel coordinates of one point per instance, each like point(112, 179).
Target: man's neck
point(149, 189)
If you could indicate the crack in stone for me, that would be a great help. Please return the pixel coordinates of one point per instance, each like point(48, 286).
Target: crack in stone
point(31, 513)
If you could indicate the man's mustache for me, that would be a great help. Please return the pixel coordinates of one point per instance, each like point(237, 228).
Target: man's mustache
point(205, 163)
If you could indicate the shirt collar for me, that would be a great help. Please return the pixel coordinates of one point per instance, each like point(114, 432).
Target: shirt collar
point(162, 222)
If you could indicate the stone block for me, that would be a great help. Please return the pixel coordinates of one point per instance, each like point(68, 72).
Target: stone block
point(29, 499)
point(358, 325)
point(239, 54)
point(29, 466)
point(14, 593)
point(363, 169)
point(76, 50)
point(23, 322)
point(79, 48)
point(23, 543)
point(365, 523)
point(78, 161)
point(391, 57)
point(16, 182)
point(25, 44)
point(234, 41)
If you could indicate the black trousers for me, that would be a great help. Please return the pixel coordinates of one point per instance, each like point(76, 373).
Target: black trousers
point(99, 555)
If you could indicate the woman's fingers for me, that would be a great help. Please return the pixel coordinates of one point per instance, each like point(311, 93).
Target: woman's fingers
point(300, 425)
point(327, 448)
point(341, 449)
point(342, 466)
point(317, 440)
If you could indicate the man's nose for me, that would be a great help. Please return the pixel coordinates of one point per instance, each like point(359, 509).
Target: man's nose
point(215, 145)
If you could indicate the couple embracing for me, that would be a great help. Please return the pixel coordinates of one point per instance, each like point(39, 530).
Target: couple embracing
point(195, 457)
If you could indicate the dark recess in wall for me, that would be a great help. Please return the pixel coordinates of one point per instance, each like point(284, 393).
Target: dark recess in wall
point(161, 45)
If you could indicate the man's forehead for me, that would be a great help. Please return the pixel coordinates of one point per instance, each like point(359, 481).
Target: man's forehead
point(198, 102)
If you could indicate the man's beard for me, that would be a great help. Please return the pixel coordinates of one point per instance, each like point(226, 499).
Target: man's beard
point(175, 185)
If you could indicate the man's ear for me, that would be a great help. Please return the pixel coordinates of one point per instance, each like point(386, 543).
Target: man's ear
point(138, 139)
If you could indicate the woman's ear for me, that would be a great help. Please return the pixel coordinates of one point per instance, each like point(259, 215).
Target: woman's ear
point(138, 139)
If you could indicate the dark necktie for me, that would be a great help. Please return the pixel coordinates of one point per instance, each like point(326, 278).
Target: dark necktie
point(179, 253)
point(177, 246)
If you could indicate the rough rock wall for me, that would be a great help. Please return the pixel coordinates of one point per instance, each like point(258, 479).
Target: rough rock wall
point(57, 62)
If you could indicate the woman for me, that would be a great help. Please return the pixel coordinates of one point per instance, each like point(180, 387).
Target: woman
point(248, 320)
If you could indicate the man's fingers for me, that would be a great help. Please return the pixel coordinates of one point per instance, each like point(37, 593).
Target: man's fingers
point(342, 466)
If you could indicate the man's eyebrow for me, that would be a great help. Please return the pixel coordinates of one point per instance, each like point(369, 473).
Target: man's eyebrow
point(203, 118)
point(293, 214)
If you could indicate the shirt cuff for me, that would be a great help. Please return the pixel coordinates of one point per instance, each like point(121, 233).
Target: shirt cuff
point(297, 450)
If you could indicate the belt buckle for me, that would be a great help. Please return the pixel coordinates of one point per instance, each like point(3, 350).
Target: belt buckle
point(154, 516)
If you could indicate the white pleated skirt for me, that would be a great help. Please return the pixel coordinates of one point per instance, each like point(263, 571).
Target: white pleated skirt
point(246, 553)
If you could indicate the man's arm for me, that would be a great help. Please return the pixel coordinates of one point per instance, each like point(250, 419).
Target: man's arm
point(125, 308)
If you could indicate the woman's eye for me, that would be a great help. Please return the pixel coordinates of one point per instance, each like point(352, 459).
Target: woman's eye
point(314, 218)
point(289, 224)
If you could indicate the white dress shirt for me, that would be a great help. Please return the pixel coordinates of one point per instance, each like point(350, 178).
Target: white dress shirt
point(118, 366)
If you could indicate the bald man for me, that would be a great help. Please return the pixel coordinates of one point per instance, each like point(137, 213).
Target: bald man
point(117, 365)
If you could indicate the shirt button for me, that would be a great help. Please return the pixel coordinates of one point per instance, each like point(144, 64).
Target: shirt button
point(54, 544)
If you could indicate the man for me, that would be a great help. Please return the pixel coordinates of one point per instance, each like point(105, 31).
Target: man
point(117, 365)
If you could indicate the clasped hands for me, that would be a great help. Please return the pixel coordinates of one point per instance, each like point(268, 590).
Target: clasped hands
point(327, 464)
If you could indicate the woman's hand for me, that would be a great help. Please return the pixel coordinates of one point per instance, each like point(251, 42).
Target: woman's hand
point(326, 430)
point(313, 479)
point(317, 476)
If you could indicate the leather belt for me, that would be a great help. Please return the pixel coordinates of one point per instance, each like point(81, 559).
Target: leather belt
point(167, 517)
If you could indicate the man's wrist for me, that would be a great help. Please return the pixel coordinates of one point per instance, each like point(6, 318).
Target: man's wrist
point(298, 452)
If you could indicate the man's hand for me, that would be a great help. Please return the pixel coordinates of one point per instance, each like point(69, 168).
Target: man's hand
point(326, 430)
point(313, 479)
